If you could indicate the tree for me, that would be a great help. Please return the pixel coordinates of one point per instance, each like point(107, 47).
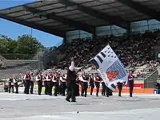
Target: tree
point(11, 46)
point(26, 44)
point(4, 40)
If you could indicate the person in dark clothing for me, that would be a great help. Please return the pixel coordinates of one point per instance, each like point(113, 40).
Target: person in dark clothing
point(49, 83)
point(32, 83)
point(77, 88)
point(16, 84)
point(45, 85)
point(11, 85)
point(39, 78)
point(55, 81)
point(119, 85)
point(84, 84)
point(97, 80)
point(108, 92)
point(71, 83)
point(91, 84)
point(63, 84)
point(131, 82)
point(27, 79)
point(103, 89)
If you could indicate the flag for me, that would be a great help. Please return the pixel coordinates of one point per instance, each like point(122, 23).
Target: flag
point(110, 67)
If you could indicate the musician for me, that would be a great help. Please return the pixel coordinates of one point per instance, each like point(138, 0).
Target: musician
point(103, 88)
point(45, 84)
point(11, 85)
point(32, 82)
point(97, 80)
point(15, 81)
point(91, 83)
point(27, 79)
point(39, 79)
point(55, 81)
point(63, 84)
point(131, 82)
point(49, 83)
point(84, 84)
point(119, 85)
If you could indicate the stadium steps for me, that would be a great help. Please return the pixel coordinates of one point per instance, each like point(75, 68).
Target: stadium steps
point(12, 67)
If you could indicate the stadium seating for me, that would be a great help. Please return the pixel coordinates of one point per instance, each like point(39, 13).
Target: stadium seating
point(136, 51)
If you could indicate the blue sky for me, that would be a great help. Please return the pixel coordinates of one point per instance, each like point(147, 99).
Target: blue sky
point(13, 30)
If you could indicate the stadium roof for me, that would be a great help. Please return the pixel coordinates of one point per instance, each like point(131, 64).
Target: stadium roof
point(59, 16)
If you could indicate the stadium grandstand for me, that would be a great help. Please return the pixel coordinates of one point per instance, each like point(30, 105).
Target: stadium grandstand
point(131, 27)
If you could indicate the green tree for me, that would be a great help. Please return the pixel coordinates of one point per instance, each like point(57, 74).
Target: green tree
point(4, 41)
point(26, 44)
point(11, 46)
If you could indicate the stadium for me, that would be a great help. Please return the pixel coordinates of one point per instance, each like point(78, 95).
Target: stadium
point(88, 26)
point(130, 27)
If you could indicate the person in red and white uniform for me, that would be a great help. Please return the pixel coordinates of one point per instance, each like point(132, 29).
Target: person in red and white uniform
point(63, 84)
point(97, 80)
point(55, 80)
point(39, 78)
point(32, 82)
point(91, 83)
point(15, 81)
point(45, 84)
point(84, 84)
point(131, 82)
point(27, 79)
point(49, 83)
point(11, 85)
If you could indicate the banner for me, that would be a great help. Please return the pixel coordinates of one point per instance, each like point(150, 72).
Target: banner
point(110, 67)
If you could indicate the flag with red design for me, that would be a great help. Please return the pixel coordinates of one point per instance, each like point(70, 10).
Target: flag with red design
point(110, 67)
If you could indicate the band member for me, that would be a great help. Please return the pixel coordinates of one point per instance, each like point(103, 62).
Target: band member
point(11, 85)
point(39, 78)
point(77, 87)
point(103, 88)
point(55, 81)
point(15, 80)
point(91, 83)
point(119, 85)
point(63, 84)
point(71, 83)
point(32, 83)
point(130, 82)
point(97, 80)
point(49, 83)
point(27, 79)
point(45, 85)
point(84, 84)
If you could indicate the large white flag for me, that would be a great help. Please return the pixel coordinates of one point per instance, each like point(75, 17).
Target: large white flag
point(110, 67)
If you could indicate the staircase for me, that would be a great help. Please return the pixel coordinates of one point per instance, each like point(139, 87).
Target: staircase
point(151, 80)
point(13, 67)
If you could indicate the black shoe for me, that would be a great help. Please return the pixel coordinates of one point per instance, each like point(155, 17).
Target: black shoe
point(67, 100)
point(73, 101)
